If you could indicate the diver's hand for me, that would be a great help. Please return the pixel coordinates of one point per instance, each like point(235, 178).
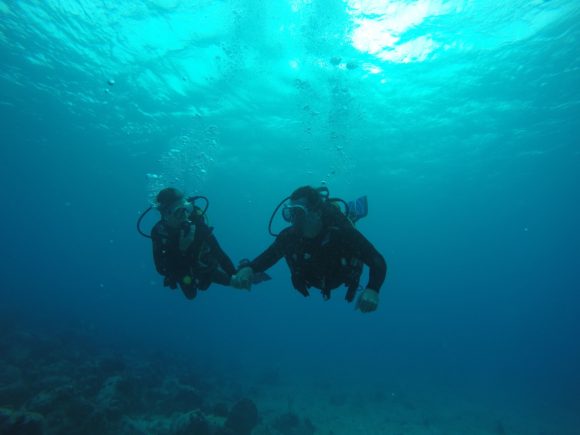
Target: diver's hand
point(243, 278)
point(368, 301)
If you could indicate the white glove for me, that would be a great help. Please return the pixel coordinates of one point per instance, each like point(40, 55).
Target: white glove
point(243, 279)
point(368, 301)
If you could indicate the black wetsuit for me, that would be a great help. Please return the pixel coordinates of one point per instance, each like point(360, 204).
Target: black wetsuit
point(334, 257)
point(203, 259)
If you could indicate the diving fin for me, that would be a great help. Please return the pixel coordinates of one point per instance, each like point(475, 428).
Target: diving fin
point(358, 208)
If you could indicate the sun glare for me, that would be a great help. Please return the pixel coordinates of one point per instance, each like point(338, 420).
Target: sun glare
point(380, 24)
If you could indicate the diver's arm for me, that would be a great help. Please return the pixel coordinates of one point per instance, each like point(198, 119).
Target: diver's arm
point(377, 270)
point(271, 255)
point(159, 253)
point(160, 259)
point(245, 276)
point(223, 259)
point(370, 256)
point(220, 276)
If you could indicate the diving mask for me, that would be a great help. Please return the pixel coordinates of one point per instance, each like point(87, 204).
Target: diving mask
point(294, 212)
point(306, 221)
point(178, 211)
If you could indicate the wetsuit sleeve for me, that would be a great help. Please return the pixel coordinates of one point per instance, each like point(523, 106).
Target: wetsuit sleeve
point(223, 259)
point(369, 255)
point(271, 255)
point(159, 255)
point(220, 277)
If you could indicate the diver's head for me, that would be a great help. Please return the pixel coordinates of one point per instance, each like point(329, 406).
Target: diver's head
point(174, 208)
point(304, 211)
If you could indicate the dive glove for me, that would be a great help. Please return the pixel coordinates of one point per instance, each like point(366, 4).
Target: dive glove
point(368, 301)
point(243, 278)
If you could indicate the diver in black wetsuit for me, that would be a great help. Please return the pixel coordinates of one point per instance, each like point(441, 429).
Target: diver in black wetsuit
point(185, 251)
point(322, 248)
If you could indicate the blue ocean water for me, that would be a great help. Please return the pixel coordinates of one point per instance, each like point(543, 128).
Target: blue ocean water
point(459, 121)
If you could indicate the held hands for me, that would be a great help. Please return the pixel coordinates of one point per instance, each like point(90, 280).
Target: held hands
point(243, 278)
point(368, 301)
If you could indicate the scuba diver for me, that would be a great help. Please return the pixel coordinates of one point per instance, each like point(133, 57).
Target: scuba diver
point(322, 248)
point(185, 251)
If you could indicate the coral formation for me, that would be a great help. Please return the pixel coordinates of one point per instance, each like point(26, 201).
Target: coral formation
point(71, 386)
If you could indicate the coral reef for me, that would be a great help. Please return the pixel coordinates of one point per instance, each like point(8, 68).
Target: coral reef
point(291, 424)
point(243, 417)
point(20, 423)
point(60, 386)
